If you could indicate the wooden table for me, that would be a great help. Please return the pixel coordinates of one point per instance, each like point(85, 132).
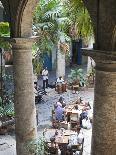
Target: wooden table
point(62, 139)
point(48, 133)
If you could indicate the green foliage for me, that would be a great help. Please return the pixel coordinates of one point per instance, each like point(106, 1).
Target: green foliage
point(76, 77)
point(4, 32)
point(1, 111)
point(4, 29)
point(7, 110)
point(0, 101)
point(37, 61)
point(80, 21)
point(7, 105)
point(37, 147)
point(58, 21)
point(49, 20)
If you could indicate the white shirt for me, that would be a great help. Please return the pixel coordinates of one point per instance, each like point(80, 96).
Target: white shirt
point(60, 80)
point(35, 92)
point(86, 124)
point(45, 74)
point(80, 137)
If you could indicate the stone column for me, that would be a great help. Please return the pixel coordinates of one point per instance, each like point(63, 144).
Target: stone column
point(60, 71)
point(104, 119)
point(25, 111)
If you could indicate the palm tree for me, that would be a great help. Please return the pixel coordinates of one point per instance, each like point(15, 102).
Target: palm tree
point(80, 21)
point(49, 21)
point(55, 22)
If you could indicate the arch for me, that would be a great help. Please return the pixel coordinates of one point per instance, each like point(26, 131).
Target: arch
point(24, 18)
point(93, 7)
point(114, 39)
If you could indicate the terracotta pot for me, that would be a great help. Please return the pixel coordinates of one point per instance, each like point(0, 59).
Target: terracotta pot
point(8, 57)
point(3, 130)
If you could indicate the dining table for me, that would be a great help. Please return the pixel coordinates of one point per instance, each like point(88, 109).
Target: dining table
point(61, 139)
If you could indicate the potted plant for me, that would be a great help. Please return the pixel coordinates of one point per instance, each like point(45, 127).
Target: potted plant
point(91, 77)
point(76, 77)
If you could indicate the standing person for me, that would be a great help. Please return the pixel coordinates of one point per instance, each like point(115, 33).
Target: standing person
point(45, 78)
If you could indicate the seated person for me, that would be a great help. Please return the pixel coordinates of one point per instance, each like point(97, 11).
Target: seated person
point(35, 93)
point(77, 109)
point(83, 115)
point(59, 113)
point(80, 137)
point(61, 100)
point(86, 123)
point(60, 80)
point(80, 101)
point(60, 85)
point(87, 105)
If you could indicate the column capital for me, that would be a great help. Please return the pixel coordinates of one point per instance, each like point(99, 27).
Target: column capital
point(29, 40)
point(21, 40)
point(100, 56)
point(22, 43)
point(105, 60)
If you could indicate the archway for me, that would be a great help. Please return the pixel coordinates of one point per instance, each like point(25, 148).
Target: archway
point(114, 39)
point(106, 73)
point(21, 46)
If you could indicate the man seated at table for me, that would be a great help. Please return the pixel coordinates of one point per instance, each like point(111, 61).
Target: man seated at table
point(59, 112)
point(60, 85)
point(60, 80)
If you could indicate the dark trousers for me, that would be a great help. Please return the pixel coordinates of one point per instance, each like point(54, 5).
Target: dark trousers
point(45, 83)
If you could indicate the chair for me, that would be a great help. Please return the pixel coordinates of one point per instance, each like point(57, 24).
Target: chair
point(75, 122)
point(78, 148)
point(59, 88)
point(55, 123)
point(51, 149)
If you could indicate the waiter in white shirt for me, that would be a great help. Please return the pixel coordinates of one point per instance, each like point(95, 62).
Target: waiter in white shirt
point(45, 78)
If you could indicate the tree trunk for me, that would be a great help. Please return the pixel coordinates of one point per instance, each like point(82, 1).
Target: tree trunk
point(60, 62)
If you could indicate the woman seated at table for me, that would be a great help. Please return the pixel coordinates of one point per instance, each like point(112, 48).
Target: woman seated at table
point(61, 102)
point(59, 112)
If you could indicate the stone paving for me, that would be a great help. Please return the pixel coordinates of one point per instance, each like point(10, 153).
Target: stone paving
point(7, 145)
point(44, 111)
point(7, 142)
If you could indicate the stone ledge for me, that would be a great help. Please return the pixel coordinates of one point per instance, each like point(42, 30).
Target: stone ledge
point(99, 56)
